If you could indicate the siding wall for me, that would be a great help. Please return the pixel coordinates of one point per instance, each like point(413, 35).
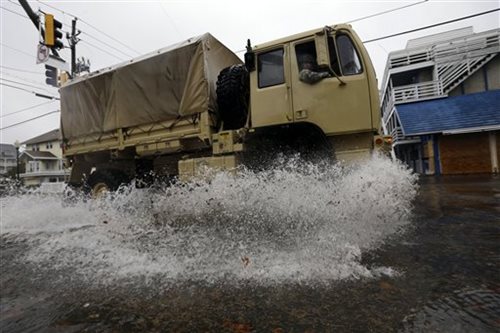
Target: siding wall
point(498, 146)
point(465, 153)
point(493, 70)
point(476, 83)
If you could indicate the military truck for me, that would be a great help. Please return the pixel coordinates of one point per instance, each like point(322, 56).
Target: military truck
point(195, 104)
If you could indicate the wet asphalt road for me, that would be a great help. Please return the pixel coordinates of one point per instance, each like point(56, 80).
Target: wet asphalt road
point(449, 264)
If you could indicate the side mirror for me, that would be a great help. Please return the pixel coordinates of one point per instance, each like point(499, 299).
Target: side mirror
point(249, 58)
point(322, 54)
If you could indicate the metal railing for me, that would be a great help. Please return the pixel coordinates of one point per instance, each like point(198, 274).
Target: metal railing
point(41, 173)
point(418, 91)
point(405, 58)
point(472, 46)
point(453, 73)
point(477, 45)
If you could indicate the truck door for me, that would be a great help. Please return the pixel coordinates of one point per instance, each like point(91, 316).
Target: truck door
point(271, 96)
point(335, 108)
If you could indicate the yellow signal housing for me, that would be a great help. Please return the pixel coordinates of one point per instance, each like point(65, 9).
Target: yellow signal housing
point(49, 30)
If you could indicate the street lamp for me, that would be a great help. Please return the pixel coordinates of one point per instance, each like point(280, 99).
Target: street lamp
point(17, 144)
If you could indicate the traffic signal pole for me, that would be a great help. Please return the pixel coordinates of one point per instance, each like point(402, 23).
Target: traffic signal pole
point(52, 35)
point(35, 19)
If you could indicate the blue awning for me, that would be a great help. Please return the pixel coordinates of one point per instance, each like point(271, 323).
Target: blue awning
point(451, 113)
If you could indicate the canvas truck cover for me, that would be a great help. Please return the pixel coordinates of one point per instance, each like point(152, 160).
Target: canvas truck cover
point(173, 82)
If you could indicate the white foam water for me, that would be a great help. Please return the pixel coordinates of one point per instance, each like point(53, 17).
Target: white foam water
point(298, 223)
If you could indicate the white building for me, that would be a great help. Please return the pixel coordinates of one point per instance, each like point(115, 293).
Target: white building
point(43, 160)
point(440, 102)
point(7, 158)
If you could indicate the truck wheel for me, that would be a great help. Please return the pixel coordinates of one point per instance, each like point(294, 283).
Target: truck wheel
point(103, 181)
point(233, 94)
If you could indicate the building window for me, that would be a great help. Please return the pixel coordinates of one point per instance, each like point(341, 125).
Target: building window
point(48, 145)
point(34, 166)
point(349, 58)
point(271, 69)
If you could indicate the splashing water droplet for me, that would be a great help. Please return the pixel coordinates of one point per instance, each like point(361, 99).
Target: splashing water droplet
point(299, 222)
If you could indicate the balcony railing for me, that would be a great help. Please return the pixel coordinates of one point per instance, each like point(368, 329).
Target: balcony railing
point(418, 91)
point(43, 173)
point(472, 46)
point(405, 58)
point(399, 138)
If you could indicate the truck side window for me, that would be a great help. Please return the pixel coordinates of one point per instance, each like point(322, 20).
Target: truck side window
point(305, 53)
point(270, 68)
point(349, 59)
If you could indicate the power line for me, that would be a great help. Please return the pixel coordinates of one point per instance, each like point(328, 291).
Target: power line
point(83, 32)
point(14, 3)
point(26, 17)
point(104, 43)
point(31, 119)
point(17, 50)
point(433, 25)
point(386, 11)
point(90, 25)
point(26, 109)
point(20, 70)
point(372, 15)
point(97, 47)
point(30, 91)
point(41, 85)
point(111, 37)
point(14, 12)
point(24, 84)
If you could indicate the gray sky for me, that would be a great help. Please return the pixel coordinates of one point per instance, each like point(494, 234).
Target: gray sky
point(148, 25)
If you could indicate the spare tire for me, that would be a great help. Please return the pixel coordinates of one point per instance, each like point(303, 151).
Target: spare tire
point(233, 94)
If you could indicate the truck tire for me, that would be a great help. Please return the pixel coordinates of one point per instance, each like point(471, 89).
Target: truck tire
point(233, 94)
point(103, 181)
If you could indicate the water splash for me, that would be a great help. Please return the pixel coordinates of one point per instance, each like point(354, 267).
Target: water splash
point(299, 222)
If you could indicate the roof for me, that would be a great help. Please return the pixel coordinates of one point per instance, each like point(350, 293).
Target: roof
point(53, 135)
point(299, 36)
point(40, 155)
point(479, 110)
point(7, 150)
point(446, 36)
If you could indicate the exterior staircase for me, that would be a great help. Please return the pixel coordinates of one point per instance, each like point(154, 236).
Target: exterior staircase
point(457, 60)
point(453, 61)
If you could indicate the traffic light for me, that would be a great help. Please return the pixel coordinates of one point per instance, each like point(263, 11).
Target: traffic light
point(51, 75)
point(52, 33)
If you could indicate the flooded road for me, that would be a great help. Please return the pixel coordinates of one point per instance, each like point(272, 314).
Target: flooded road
point(301, 249)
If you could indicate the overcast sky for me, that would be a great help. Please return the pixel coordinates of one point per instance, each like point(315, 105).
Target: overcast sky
point(139, 27)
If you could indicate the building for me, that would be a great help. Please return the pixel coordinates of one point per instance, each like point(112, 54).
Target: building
point(43, 160)
point(440, 102)
point(8, 161)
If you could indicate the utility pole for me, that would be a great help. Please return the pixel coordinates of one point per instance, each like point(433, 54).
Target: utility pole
point(17, 144)
point(73, 47)
point(73, 40)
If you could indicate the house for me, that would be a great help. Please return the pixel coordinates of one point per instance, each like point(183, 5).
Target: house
point(8, 159)
point(440, 102)
point(43, 160)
